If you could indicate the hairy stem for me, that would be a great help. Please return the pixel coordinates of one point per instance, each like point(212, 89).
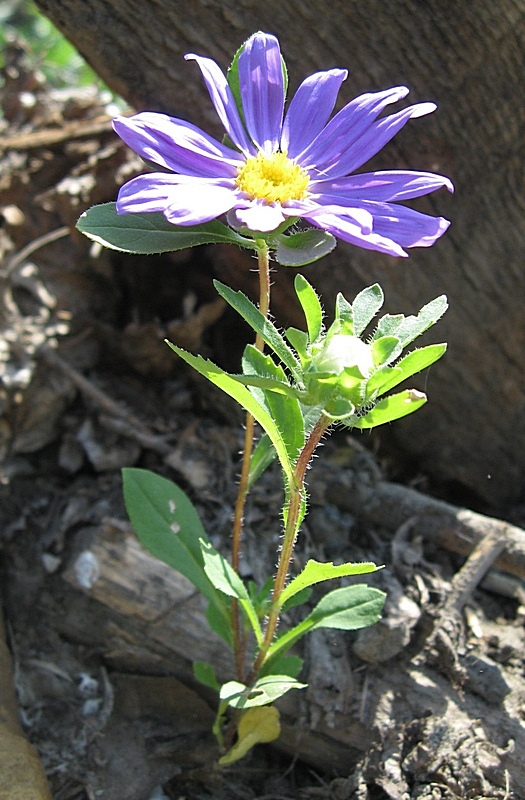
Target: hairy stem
point(242, 492)
point(293, 521)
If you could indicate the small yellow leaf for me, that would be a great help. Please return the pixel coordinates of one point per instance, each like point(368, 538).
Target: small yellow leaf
point(259, 724)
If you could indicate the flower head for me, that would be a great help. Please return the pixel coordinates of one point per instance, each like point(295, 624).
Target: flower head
point(276, 166)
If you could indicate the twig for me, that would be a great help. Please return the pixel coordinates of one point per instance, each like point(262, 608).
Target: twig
point(53, 136)
point(30, 248)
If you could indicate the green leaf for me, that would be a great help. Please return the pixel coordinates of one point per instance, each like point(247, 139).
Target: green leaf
point(316, 572)
point(412, 327)
point(205, 674)
point(266, 690)
point(299, 341)
point(305, 247)
point(348, 608)
point(286, 665)
point(365, 307)
point(344, 313)
point(390, 408)
point(232, 77)
point(388, 325)
point(311, 306)
point(267, 330)
point(243, 396)
point(168, 525)
point(297, 600)
point(220, 623)
point(385, 350)
point(226, 580)
point(263, 455)
point(411, 364)
point(284, 410)
point(151, 233)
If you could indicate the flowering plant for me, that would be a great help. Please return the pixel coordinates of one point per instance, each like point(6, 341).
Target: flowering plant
point(272, 170)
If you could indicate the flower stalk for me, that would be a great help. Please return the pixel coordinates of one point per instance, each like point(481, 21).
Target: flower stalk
point(239, 639)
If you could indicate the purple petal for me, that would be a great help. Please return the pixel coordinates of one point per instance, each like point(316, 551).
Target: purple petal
point(310, 110)
point(195, 203)
point(184, 201)
point(359, 216)
point(348, 231)
point(261, 81)
point(345, 128)
point(259, 216)
point(177, 145)
point(373, 139)
point(222, 99)
point(384, 186)
point(407, 227)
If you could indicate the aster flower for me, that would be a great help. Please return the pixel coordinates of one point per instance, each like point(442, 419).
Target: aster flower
point(275, 167)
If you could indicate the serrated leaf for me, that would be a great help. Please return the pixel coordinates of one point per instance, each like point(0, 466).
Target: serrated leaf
point(344, 313)
point(311, 306)
point(388, 325)
point(412, 327)
point(365, 307)
point(265, 690)
point(316, 572)
point(348, 608)
point(151, 233)
point(226, 580)
point(305, 247)
point(263, 455)
point(385, 349)
point(411, 364)
point(390, 408)
point(243, 396)
point(168, 525)
point(299, 341)
point(256, 725)
point(284, 410)
point(267, 330)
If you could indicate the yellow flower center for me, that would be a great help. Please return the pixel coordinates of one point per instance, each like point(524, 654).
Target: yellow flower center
point(273, 178)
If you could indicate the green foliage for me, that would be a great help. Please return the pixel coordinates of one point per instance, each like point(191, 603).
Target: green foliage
point(151, 233)
point(265, 690)
point(305, 247)
point(48, 50)
point(316, 572)
point(168, 525)
point(348, 608)
point(246, 400)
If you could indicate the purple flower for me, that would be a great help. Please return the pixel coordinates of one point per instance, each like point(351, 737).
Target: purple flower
point(278, 167)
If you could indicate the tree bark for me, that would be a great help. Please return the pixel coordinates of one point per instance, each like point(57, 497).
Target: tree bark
point(468, 58)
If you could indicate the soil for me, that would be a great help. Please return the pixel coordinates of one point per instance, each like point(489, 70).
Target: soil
point(428, 704)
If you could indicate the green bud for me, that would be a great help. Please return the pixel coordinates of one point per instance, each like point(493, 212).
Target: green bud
point(342, 351)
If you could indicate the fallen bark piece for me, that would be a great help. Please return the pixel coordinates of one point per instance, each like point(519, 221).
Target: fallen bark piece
point(22, 776)
point(134, 609)
point(456, 529)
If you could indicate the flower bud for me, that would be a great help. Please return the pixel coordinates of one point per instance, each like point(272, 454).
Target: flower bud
point(342, 351)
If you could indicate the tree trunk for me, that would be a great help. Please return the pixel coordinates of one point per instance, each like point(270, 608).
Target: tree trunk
point(467, 58)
